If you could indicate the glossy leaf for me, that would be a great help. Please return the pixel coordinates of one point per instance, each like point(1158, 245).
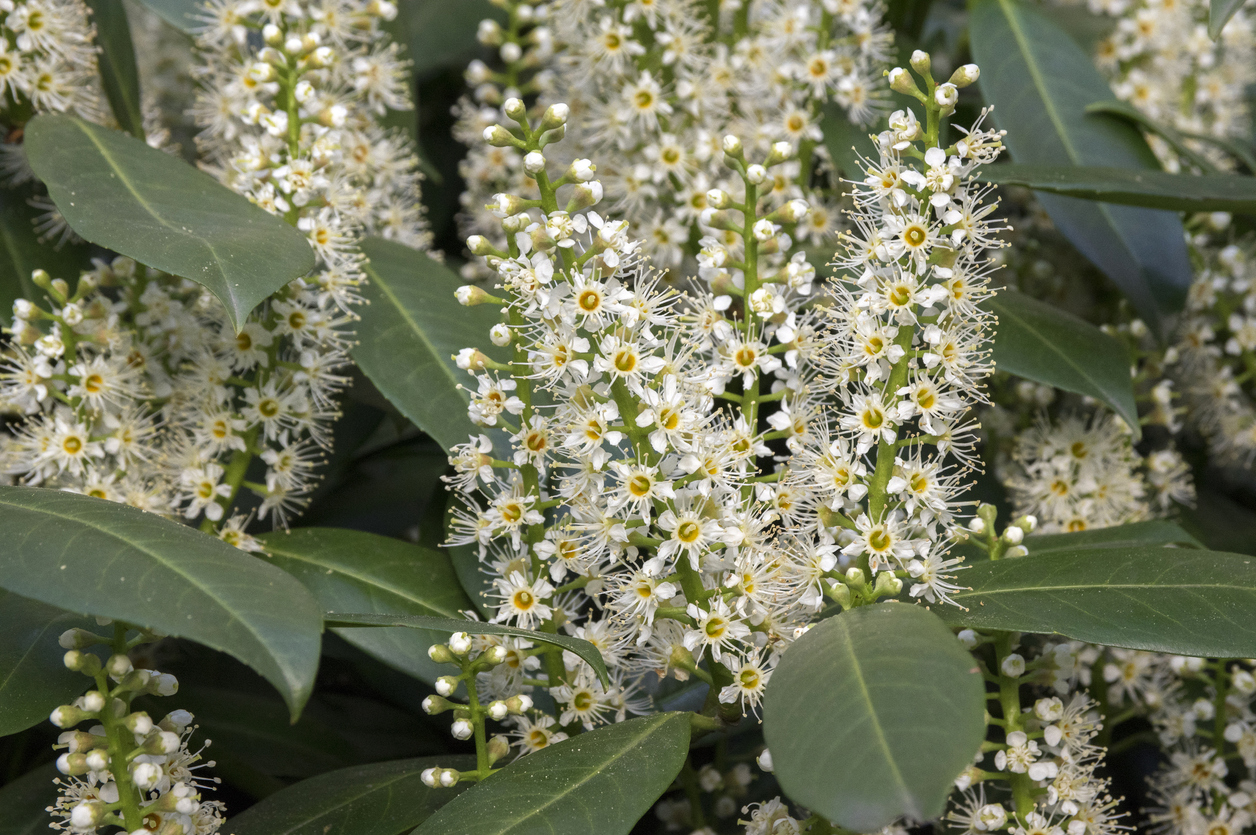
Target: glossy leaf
point(1219, 13)
point(25, 800)
point(379, 799)
point(102, 558)
point(410, 331)
point(21, 253)
point(1040, 82)
point(599, 782)
point(1042, 343)
point(181, 14)
point(119, 76)
point(1177, 141)
point(1155, 189)
point(439, 33)
point(33, 680)
point(872, 714)
point(581, 648)
point(116, 191)
point(1155, 532)
point(351, 571)
point(1179, 601)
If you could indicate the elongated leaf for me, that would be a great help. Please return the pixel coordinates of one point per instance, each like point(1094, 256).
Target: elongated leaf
point(33, 680)
point(1044, 344)
point(1180, 601)
point(1155, 532)
point(1156, 189)
point(351, 571)
point(380, 799)
point(845, 141)
point(181, 14)
point(581, 648)
point(439, 33)
point(1219, 13)
point(21, 253)
point(1040, 83)
point(598, 782)
point(118, 73)
point(1125, 110)
point(24, 800)
point(409, 333)
point(101, 558)
point(872, 714)
point(117, 192)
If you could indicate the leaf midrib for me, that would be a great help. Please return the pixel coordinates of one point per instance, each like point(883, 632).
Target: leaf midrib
point(378, 281)
point(1101, 586)
point(235, 614)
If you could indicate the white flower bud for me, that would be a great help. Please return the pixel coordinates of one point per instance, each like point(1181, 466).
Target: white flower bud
point(515, 109)
point(86, 816)
point(965, 75)
point(498, 711)
point(946, 96)
point(468, 359)
point(469, 295)
point(449, 777)
point(1014, 535)
point(499, 137)
point(582, 170)
point(119, 665)
point(1049, 709)
point(272, 35)
point(495, 655)
point(510, 52)
point(901, 81)
point(732, 146)
point(501, 337)
point(977, 525)
point(98, 760)
point(489, 32)
point(139, 723)
point(920, 61)
point(765, 760)
point(93, 701)
point(1013, 666)
point(460, 642)
point(992, 816)
point(968, 638)
point(1016, 551)
point(430, 777)
point(718, 198)
point(446, 685)
point(534, 162)
point(146, 775)
point(756, 173)
point(462, 729)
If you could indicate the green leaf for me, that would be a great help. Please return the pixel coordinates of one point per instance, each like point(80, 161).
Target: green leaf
point(351, 571)
point(25, 800)
point(118, 73)
point(117, 192)
point(580, 647)
point(1040, 83)
point(1154, 532)
point(1042, 343)
point(598, 782)
point(872, 714)
point(33, 680)
point(411, 327)
point(1219, 13)
point(380, 799)
point(1125, 110)
point(845, 141)
point(1179, 601)
point(101, 558)
point(438, 33)
point(21, 253)
point(181, 14)
point(1155, 189)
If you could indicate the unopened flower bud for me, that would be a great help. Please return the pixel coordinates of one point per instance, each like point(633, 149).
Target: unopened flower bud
point(582, 170)
point(81, 662)
point(1013, 666)
point(887, 584)
point(146, 775)
point(462, 729)
point(449, 777)
point(162, 684)
point(446, 685)
point(460, 642)
point(272, 35)
point(92, 701)
point(434, 705)
point(494, 655)
point(97, 760)
point(489, 32)
point(498, 710)
point(161, 743)
point(519, 704)
point(534, 162)
point(87, 816)
point(72, 765)
point(139, 723)
point(585, 195)
point(840, 593)
point(765, 760)
point(67, 716)
point(920, 61)
point(781, 151)
point(499, 137)
point(902, 82)
point(431, 777)
point(501, 337)
point(718, 198)
point(555, 116)
point(1016, 551)
point(756, 173)
point(732, 146)
point(1013, 535)
point(515, 109)
point(498, 747)
point(118, 666)
point(946, 96)
point(469, 359)
point(510, 52)
point(965, 75)
point(968, 638)
point(855, 577)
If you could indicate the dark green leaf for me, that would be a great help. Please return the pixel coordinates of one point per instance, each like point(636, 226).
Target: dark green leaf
point(1220, 522)
point(1156, 189)
point(439, 33)
point(379, 799)
point(1040, 82)
point(21, 253)
point(846, 141)
point(410, 330)
point(33, 680)
point(1044, 344)
point(1154, 532)
point(1219, 13)
point(25, 800)
point(118, 73)
point(1125, 110)
point(351, 571)
point(117, 192)
point(1180, 601)
point(598, 782)
point(181, 14)
point(101, 558)
point(872, 714)
point(582, 648)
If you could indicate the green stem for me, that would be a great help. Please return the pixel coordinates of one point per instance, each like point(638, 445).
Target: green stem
point(885, 449)
point(121, 742)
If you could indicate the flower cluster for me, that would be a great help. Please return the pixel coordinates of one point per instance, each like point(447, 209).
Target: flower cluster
point(1216, 351)
point(126, 770)
point(653, 88)
point(691, 475)
point(47, 62)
